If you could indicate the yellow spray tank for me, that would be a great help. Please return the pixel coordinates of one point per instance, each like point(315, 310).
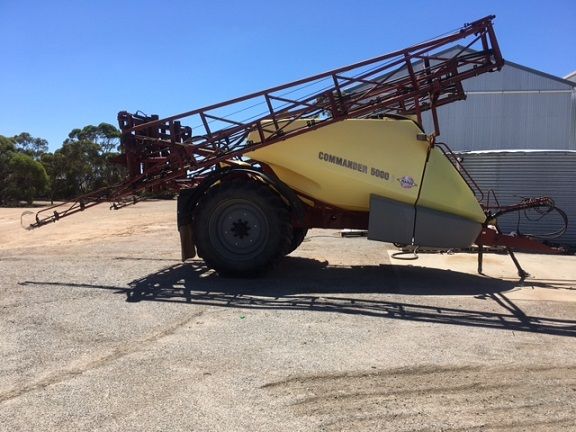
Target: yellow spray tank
point(386, 167)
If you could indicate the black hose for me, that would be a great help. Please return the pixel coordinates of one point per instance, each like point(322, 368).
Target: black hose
point(543, 210)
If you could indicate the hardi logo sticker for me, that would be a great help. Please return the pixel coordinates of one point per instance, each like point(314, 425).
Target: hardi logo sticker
point(407, 182)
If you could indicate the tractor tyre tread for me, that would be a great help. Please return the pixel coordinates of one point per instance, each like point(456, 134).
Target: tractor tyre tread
point(267, 203)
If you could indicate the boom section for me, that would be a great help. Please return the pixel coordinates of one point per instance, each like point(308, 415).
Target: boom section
point(406, 82)
point(162, 154)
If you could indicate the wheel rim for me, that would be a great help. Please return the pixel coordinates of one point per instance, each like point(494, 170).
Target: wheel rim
point(239, 229)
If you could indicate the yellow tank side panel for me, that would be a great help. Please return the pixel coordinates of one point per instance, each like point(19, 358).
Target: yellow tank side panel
point(445, 190)
point(342, 164)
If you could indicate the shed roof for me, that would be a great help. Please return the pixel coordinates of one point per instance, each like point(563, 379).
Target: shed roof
point(515, 65)
point(571, 76)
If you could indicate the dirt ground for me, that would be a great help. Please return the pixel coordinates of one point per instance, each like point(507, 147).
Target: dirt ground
point(102, 328)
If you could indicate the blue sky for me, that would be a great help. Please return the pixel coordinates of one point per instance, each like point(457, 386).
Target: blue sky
point(67, 64)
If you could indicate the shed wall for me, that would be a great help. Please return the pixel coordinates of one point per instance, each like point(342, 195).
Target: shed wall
point(491, 121)
point(516, 108)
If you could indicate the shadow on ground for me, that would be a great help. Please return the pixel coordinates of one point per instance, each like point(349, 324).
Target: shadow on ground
point(308, 284)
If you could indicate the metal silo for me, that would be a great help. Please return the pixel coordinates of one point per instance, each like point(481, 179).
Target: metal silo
point(515, 174)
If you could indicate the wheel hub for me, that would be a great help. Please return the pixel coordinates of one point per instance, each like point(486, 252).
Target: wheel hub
point(240, 228)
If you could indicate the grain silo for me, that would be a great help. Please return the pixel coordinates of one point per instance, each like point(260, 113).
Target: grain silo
point(515, 174)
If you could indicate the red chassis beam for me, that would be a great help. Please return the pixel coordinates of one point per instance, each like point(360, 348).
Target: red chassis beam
point(491, 237)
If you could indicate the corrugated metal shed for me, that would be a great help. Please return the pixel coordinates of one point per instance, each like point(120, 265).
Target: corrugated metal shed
point(509, 121)
point(525, 173)
point(517, 107)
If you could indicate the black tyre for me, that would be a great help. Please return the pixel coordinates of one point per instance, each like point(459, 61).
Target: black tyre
point(298, 236)
point(242, 228)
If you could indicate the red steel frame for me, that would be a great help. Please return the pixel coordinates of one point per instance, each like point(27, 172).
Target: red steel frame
point(158, 152)
point(161, 153)
point(385, 84)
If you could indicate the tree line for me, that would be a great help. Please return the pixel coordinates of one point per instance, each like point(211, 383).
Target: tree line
point(28, 171)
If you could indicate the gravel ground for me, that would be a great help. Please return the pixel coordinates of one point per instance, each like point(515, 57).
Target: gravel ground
point(103, 329)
